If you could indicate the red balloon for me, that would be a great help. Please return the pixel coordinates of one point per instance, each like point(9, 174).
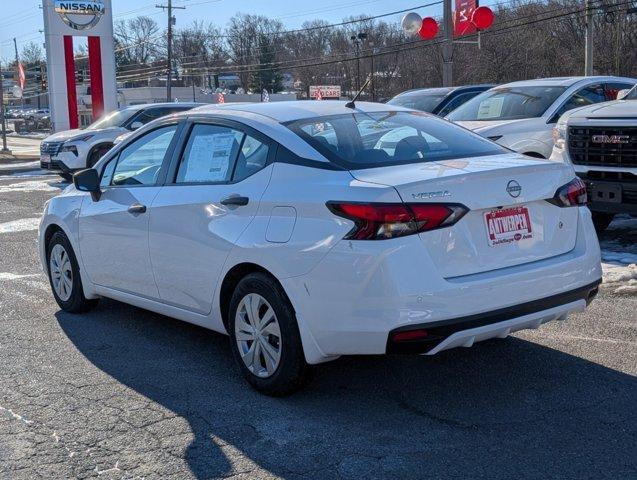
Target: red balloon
point(482, 18)
point(429, 28)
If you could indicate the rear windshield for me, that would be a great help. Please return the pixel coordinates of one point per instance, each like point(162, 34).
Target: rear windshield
point(422, 102)
point(367, 140)
point(508, 103)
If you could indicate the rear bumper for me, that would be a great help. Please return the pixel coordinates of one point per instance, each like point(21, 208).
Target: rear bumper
point(464, 331)
point(612, 196)
point(361, 292)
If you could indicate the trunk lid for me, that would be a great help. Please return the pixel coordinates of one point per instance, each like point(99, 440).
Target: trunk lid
point(485, 238)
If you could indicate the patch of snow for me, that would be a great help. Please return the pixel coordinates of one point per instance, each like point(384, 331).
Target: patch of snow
point(619, 255)
point(13, 166)
point(29, 186)
point(22, 225)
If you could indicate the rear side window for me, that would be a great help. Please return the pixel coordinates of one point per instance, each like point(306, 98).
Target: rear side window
point(210, 154)
point(364, 140)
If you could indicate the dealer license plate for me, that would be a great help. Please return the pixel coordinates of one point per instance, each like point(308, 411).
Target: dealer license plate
point(508, 225)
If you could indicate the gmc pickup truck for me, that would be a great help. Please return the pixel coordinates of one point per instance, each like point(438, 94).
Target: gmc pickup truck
point(601, 142)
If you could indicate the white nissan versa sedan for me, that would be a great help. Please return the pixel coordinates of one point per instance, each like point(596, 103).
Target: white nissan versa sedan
point(309, 230)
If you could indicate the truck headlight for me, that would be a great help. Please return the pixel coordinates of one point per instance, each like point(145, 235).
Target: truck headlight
point(559, 135)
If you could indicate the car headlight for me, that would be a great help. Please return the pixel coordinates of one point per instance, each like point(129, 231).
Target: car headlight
point(69, 148)
point(559, 135)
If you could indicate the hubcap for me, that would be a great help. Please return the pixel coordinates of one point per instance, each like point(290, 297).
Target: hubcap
point(258, 335)
point(61, 272)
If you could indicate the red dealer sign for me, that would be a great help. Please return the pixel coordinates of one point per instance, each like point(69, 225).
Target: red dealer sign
point(462, 24)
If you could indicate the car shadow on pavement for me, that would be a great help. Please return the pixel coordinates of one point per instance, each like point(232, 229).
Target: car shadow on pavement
point(502, 409)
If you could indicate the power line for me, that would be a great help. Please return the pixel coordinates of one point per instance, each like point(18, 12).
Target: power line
point(406, 46)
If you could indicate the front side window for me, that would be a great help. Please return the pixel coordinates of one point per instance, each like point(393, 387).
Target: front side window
point(139, 163)
point(632, 95)
point(508, 103)
point(362, 140)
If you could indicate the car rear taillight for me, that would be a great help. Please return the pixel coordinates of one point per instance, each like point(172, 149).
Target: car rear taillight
point(379, 221)
point(572, 194)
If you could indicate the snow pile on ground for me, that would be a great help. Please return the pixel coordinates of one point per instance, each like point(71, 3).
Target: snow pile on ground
point(619, 255)
point(22, 225)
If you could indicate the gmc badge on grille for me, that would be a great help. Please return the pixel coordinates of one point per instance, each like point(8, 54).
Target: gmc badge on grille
point(610, 138)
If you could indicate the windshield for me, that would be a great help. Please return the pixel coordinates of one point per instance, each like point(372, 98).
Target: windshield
point(114, 119)
point(360, 140)
point(632, 95)
point(422, 102)
point(508, 104)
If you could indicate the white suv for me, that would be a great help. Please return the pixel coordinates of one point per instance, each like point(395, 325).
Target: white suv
point(71, 150)
point(309, 230)
point(601, 143)
point(521, 115)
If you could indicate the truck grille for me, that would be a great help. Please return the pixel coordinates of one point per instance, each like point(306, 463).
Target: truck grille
point(583, 151)
point(50, 148)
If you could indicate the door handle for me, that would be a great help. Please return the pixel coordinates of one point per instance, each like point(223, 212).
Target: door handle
point(236, 201)
point(137, 208)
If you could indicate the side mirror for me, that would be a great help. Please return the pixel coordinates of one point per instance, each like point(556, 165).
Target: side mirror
point(88, 181)
point(135, 125)
point(622, 93)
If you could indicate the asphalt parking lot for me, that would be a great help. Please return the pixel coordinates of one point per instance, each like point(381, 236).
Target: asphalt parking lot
point(124, 393)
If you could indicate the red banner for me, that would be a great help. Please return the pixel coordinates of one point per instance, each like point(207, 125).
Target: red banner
point(22, 77)
point(462, 17)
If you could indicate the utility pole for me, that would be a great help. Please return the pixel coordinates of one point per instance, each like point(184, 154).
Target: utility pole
point(447, 46)
point(588, 38)
point(169, 45)
point(2, 119)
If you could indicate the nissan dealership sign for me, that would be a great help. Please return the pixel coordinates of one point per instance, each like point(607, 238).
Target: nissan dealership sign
point(80, 15)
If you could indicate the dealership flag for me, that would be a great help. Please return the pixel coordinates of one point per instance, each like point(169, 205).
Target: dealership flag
point(221, 98)
point(319, 95)
point(265, 96)
point(22, 76)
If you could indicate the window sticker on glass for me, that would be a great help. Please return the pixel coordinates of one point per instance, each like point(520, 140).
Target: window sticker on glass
point(210, 157)
point(490, 108)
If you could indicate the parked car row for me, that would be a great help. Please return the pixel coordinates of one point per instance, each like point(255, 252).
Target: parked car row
point(528, 116)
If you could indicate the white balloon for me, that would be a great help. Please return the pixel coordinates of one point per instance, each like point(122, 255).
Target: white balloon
point(411, 23)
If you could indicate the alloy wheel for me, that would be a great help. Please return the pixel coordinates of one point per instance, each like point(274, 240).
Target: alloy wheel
point(258, 335)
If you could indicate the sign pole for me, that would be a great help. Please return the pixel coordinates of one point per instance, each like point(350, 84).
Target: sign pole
point(2, 117)
point(447, 46)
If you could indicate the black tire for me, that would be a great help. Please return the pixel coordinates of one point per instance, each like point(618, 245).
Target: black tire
point(292, 372)
point(77, 302)
point(95, 155)
point(602, 221)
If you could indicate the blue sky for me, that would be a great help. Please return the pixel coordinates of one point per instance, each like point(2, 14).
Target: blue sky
point(23, 18)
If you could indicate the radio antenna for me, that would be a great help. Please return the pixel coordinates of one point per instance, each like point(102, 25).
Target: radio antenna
point(351, 103)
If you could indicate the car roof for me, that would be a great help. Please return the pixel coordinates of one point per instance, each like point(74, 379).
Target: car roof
point(563, 81)
point(287, 111)
point(444, 90)
point(141, 106)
